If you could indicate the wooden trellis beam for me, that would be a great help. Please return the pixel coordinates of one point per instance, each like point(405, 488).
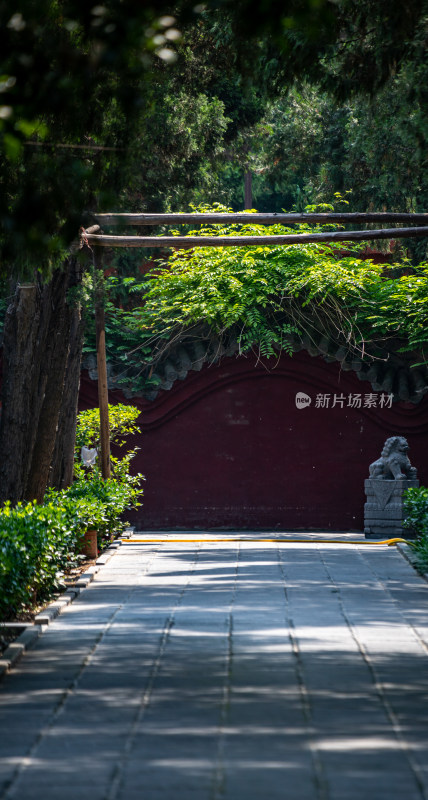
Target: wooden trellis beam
point(180, 242)
point(354, 217)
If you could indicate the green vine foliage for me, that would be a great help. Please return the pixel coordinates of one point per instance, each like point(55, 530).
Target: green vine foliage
point(263, 294)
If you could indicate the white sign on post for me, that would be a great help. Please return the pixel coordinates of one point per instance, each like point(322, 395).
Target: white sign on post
point(89, 455)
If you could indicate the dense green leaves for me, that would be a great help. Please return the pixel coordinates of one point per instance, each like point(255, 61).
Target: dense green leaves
point(121, 420)
point(73, 80)
point(352, 45)
point(307, 147)
point(36, 542)
point(39, 542)
point(123, 490)
point(261, 295)
point(416, 521)
point(89, 91)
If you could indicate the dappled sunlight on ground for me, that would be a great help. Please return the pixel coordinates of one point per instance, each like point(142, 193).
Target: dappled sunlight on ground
point(227, 671)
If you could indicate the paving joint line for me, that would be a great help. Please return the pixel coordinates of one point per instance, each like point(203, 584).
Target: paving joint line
point(117, 775)
point(320, 778)
point(389, 711)
point(219, 778)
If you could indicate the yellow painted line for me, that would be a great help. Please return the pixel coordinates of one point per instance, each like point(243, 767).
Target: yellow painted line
point(389, 542)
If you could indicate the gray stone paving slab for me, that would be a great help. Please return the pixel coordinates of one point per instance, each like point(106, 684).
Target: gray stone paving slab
point(227, 670)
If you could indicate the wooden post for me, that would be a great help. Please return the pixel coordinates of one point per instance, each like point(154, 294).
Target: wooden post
point(102, 364)
point(248, 189)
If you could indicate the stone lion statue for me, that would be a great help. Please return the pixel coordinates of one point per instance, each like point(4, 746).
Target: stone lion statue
point(393, 463)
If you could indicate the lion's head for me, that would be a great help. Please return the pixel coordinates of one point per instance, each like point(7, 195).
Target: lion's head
point(395, 445)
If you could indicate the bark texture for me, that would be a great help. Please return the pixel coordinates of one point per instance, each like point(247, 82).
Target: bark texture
point(62, 467)
point(38, 325)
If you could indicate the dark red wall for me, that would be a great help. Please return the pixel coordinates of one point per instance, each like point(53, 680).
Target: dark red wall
point(227, 447)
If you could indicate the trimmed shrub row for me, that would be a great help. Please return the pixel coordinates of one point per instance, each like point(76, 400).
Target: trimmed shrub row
point(37, 542)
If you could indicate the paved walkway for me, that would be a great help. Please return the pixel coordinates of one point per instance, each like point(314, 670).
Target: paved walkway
point(228, 671)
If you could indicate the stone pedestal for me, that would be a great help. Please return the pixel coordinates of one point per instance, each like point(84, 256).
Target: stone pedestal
point(383, 511)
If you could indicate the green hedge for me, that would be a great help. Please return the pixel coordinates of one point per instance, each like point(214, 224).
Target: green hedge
point(37, 542)
point(98, 502)
point(416, 520)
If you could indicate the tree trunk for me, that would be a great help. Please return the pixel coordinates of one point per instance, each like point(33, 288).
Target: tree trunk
point(36, 352)
point(57, 358)
point(55, 361)
point(102, 366)
point(63, 458)
point(25, 333)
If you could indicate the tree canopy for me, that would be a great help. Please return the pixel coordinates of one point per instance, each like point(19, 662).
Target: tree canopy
point(75, 79)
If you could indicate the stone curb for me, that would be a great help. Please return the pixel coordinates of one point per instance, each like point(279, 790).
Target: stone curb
point(15, 650)
point(407, 553)
point(29, 636)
